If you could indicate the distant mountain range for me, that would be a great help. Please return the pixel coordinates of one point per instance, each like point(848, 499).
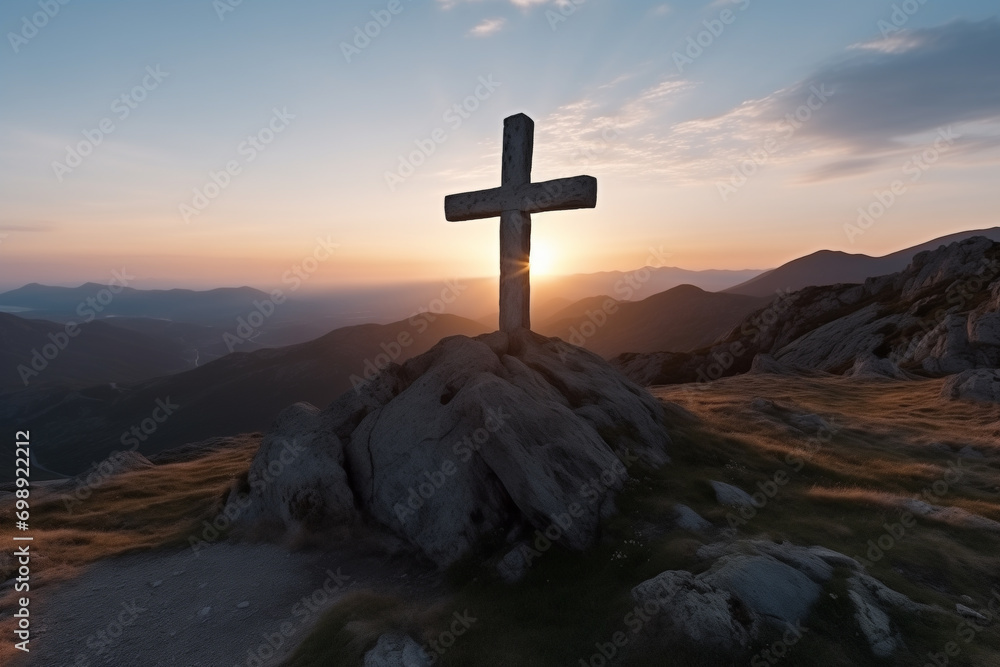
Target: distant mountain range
point(241, 392)
point(939, 316)
point(830, 267)
point(37, 352)
point(683, 318)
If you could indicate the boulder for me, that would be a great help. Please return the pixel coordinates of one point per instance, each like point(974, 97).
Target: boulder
point(981, 385)
point(687, 519)
point(491, 436)
point(396, 650)
point(727, 494)
point(870, 367)
point(692, 609)
point(772, 589)
point(297, 478)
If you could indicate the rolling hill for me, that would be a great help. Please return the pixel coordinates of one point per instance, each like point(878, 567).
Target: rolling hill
point(241, 392)
point(681, 319)
point(830, 267)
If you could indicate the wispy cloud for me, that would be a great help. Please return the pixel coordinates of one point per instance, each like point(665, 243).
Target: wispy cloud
point(487, 27)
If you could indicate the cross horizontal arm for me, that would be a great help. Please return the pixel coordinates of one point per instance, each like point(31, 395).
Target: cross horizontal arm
point(561, 194)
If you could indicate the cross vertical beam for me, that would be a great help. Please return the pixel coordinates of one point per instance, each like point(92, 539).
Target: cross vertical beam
point(515, 226)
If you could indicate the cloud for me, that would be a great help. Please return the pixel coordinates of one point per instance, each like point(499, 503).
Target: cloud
point(27, 227)
point(876, 106)
point(487, 27)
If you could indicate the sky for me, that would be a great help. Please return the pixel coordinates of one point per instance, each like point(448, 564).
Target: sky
point(206, 143)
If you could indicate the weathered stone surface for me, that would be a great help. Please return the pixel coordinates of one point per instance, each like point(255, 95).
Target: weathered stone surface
point(477, 437)
point(692, 609)
point(396, 650)
point(870, 367)
point(938, 316)
point(687, 519)
point(981, 385)
point(296, 479)
point(727, 494)
point(772, 589)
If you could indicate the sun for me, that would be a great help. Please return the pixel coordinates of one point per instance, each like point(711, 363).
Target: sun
point(541, 261)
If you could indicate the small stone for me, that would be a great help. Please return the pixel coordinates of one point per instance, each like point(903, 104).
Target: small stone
point(157, 583)
point(727, 494)
point(969, 452)
point(243, 605)
point(962, 610)
point(205, 611)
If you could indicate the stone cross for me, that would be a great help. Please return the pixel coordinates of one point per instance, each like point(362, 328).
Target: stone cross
point(514, 201)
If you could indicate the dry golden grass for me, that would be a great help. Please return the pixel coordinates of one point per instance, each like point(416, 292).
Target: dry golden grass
point(135, 511)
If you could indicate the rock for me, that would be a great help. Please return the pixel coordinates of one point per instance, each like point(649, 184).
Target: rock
point(297, 478)
point(204, 612)
point(117, 463)
point(474, 437)
point(955, 516)
point(765, 585)
point(243, 605)
point(875, 625)
point(970, 453)
point(870, 367)
point(396, 650)
point(692, 609)
point(962, 610)
point(809, 424)
point(727, 494)
point(981, 385)
point(765, 364)
point(762, 404)
point(513, 567)
point(687, 519)
point(871, 598)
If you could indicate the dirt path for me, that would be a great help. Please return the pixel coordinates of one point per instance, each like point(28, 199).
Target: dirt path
point(233, 604)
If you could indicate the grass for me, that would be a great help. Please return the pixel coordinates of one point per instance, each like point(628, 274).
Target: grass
point(844, 492)
point(136, 511)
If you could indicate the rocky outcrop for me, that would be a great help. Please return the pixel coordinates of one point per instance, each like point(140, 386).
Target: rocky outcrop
point(981, 385)
point(494, 436)
point(939, 316)
point(752, 584)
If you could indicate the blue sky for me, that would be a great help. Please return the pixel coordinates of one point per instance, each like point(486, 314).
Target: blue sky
point(621, 91)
